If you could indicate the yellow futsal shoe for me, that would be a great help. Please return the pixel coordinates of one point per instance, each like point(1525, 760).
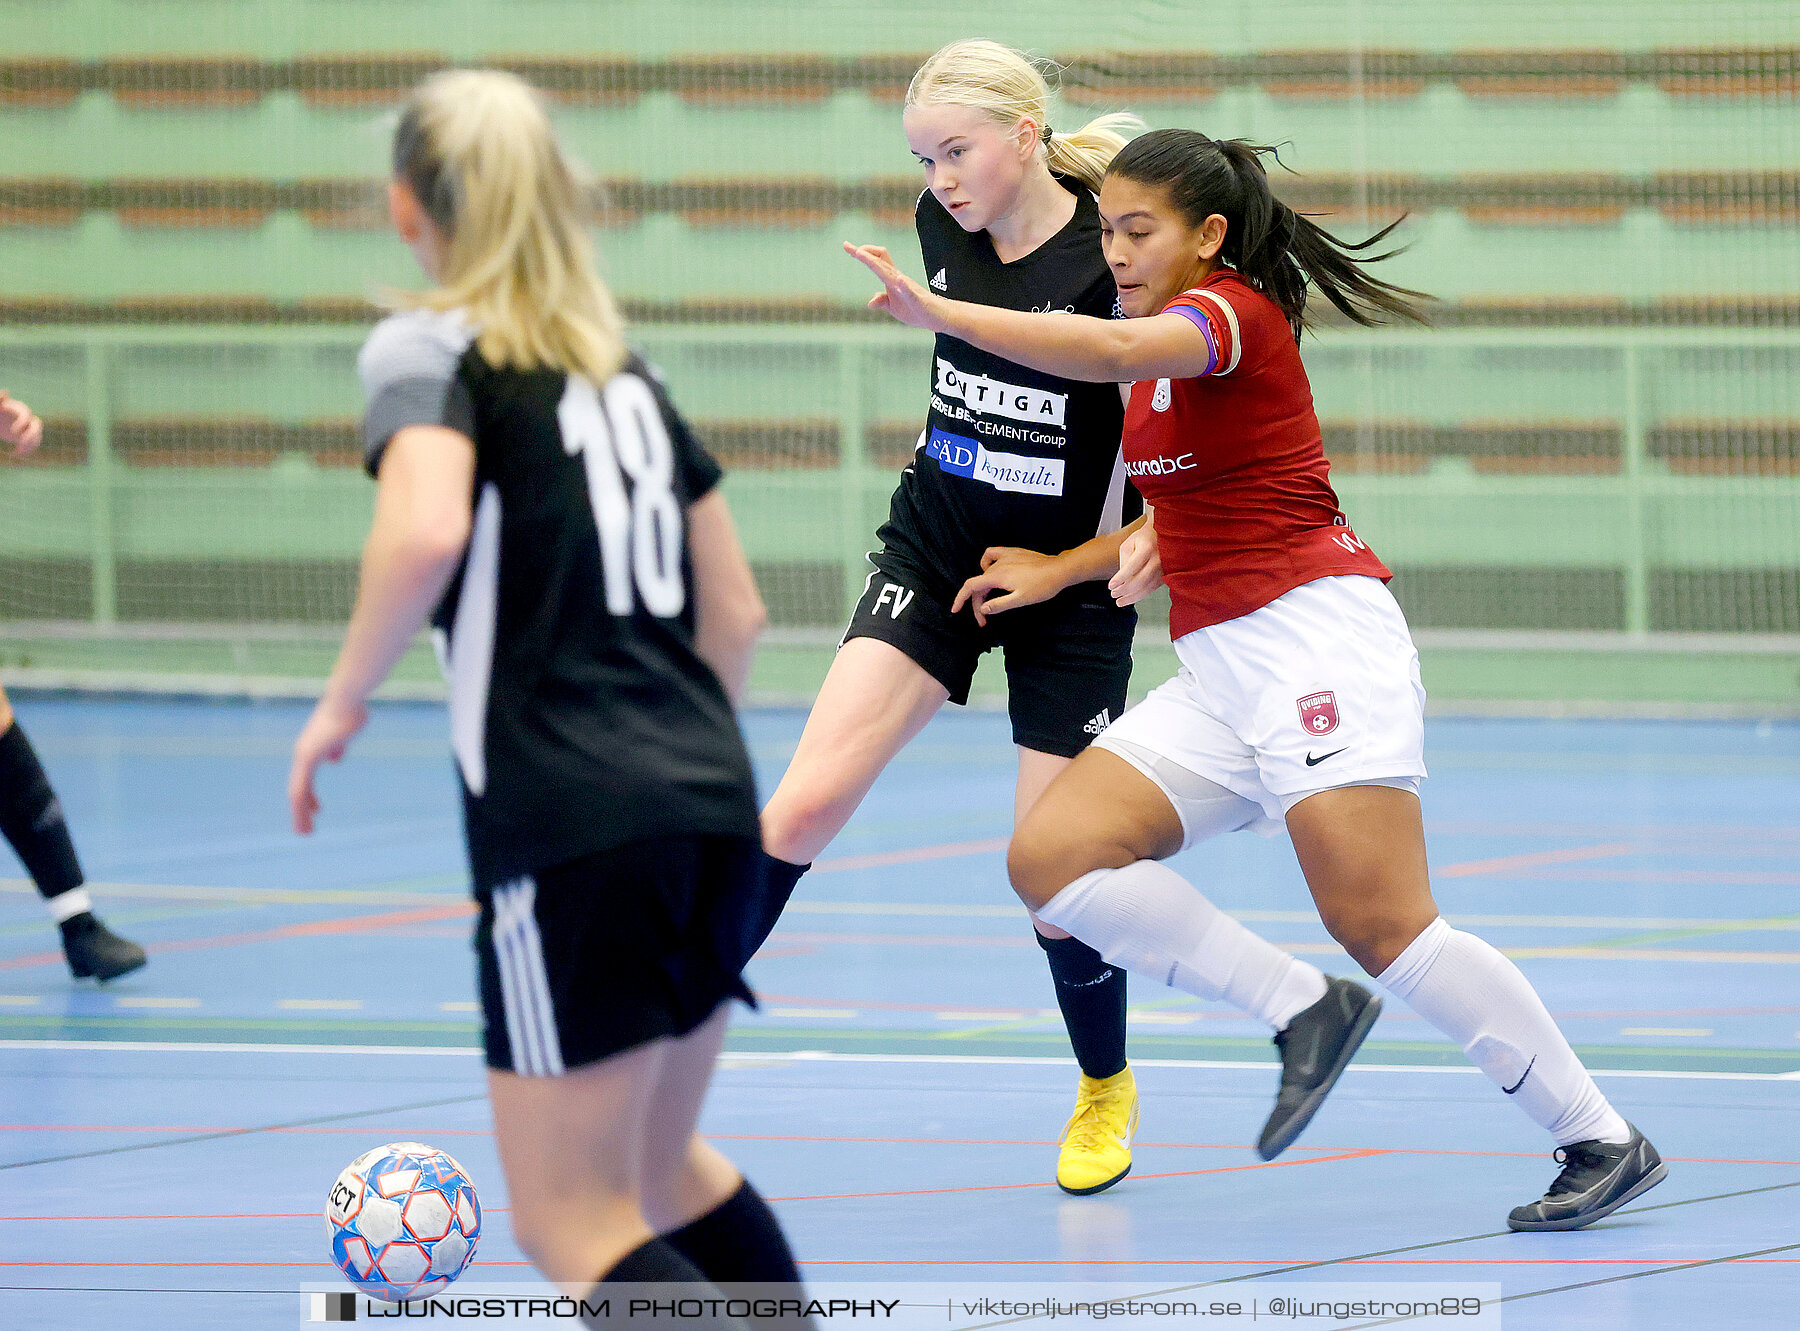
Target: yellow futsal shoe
point(1096, 1143)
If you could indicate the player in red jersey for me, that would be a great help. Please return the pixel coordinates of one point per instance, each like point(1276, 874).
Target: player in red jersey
point(1299, 701)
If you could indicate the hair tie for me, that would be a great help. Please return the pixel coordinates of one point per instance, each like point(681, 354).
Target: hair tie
point(1044, 134)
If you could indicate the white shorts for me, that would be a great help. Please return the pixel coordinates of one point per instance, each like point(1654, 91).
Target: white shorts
point(1316, 690)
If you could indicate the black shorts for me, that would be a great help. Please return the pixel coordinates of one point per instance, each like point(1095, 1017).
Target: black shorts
point(615, 949)
point(1068, 661)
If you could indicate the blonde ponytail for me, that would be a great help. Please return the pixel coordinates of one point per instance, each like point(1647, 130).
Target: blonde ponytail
point(1006, 86)
point(1087, 152)
point(477, 149)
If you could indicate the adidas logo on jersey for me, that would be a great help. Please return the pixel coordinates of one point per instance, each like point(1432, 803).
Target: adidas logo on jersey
point(1099, 723)
point(939, 282)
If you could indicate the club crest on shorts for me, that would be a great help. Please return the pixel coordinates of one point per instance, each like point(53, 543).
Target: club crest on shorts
point(1319, 713)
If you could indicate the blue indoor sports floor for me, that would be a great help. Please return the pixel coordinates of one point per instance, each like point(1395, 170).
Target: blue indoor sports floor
point(166, 1142)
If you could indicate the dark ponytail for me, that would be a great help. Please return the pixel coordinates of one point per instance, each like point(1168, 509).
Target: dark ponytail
point(1272, 247)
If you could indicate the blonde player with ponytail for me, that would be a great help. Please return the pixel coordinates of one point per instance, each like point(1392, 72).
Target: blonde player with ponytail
point(1003, 531)
point(541, 501)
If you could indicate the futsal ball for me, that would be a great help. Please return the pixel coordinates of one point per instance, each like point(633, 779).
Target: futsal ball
point(402, 1220)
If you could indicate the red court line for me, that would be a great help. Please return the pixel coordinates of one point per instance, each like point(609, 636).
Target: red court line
point(1684, 877)
point(1006, 1187)
point(1513, 863)
point(347, 924)
point(1335, 1152)
point(897, 940)
point(1735, 832)
point(261, 1215)
point(1032, 1261)
point(224, 1265)
point(1287, 1261)
point(883, 1005)
point(946, 851)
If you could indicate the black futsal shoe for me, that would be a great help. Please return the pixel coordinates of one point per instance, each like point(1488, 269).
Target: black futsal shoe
point(93, 949)
point(1597, 1179)
point(1315, 1049)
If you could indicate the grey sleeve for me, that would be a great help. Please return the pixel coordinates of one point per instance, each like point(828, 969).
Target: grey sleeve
point(410, 371)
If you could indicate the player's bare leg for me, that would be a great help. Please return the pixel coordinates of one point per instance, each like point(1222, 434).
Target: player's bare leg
point(1086, 859)
point(693, 1196)
point(572, 1147)
point(1094, 1151)
point(1362, 849)
point(874, 700)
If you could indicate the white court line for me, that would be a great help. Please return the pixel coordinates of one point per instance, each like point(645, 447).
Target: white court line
point(826, 1056)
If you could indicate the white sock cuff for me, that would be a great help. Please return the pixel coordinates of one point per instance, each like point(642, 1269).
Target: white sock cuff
point(1403, 975)
point(67, 905)
point(1067, 904)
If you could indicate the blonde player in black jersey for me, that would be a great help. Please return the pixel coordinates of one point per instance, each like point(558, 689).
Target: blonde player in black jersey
point(31, 816)
point(1002, 532)
point(597, 615)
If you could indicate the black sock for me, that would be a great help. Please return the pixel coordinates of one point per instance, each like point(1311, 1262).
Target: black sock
point(738, 1242)
point(779, 878)
point(657, 1263)
point(31, 817)
point(1091, 994)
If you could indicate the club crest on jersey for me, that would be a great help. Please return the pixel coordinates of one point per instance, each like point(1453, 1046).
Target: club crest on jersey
point(1319, 713)
point(1159, 400)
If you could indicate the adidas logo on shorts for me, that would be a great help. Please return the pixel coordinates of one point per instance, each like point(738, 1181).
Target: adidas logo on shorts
point(1099, 723)
point(939, 282)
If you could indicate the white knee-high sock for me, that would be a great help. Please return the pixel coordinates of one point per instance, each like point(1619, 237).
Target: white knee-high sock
point(1473, 994)
point(1149, 919)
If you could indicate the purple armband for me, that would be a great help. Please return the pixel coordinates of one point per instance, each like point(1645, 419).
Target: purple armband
point(1201, 322)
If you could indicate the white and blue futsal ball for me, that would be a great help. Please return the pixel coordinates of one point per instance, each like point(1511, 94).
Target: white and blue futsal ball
point(402, 1220)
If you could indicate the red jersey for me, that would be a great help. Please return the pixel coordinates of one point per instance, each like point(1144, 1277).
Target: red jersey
point(1234, 463)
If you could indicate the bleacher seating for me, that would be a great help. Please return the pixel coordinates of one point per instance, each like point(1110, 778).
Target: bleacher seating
point(1612, 212)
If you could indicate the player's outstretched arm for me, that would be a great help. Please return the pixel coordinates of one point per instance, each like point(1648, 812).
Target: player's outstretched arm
point(728, 611)
point(1074, 346)
point(422, 521)
point(20, 429)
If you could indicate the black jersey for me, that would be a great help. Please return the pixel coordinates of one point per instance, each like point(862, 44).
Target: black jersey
point(580, 716)
point(1011, 456)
